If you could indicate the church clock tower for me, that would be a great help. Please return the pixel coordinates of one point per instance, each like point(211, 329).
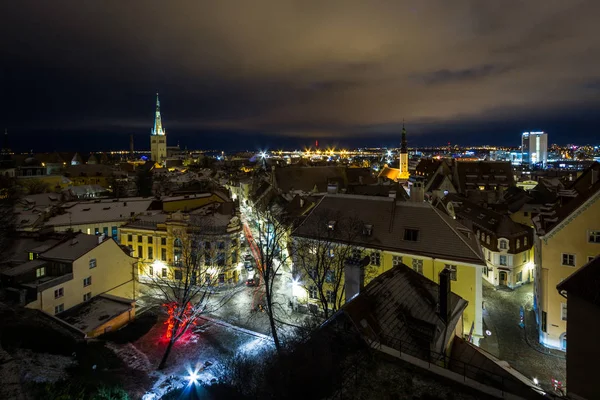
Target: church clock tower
point(158, 137)
point(403, 175)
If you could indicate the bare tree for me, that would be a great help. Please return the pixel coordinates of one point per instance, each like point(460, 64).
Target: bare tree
point(328, 238)
point(269, 248)
point(186, 288)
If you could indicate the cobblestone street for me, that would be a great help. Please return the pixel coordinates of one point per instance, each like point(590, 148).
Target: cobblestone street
point(518, 346)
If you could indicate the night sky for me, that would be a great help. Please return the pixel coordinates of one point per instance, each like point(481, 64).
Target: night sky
point(82, 75)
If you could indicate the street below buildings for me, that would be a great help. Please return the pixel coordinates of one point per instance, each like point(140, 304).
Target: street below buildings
point(513, 344)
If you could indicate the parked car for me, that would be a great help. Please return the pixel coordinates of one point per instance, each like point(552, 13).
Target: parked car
point(253, 281)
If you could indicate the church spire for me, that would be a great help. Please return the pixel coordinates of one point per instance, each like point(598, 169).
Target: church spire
point(158, 128)
point(403, 145)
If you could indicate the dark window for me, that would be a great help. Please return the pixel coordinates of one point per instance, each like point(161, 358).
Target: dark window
point(234, 259)
point(149, 239)
point(59, 293)
point(114, 232)
point(376, 258)
point(178, 274)
point(93, 263)
point(140, 238)
point(163, 241)
point(130, 238)
point(544, 321)
point(163, 254)
point(150, 255)
point(312, 292)
point(87, 281)
point(140, 255)
point(164, 272)
point(411, 234)
point(568, 259)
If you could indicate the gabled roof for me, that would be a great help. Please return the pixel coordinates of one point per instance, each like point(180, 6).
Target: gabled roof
point(569, 200)
point(306, 178)
point(389, 173)
point(471, 174)
point(584, 283)
point(500, 224)
point(73, 249)
point(438, 235)
point(427, 167)
point(403, 304)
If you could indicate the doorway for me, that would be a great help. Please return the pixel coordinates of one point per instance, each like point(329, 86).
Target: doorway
point(503, 277)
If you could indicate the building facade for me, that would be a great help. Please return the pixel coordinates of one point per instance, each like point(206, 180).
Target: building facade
point(63, 275)
point(534, 148)
point(159, 242)
point(567, 237)
point(158, 137)
point(411, 233)
point(506, 244)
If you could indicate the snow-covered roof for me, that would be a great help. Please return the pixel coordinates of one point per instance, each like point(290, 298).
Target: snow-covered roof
point(101, 309)
point(73, 249)
point(99, 211)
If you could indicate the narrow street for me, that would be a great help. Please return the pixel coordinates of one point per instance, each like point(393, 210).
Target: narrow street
point(518, 346)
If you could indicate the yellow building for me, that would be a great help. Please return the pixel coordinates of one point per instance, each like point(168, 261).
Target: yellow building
point(567, 237)
point(507, 245)
point(411, 233)
point(160, 240)
point(64, 274)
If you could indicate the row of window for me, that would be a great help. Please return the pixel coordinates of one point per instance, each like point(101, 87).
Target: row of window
point(163, 240)
point(61, 307)
point(60, 292)
point(569, 259)
point(417, 264)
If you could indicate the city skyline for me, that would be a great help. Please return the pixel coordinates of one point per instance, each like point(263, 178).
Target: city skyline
point(288, 75)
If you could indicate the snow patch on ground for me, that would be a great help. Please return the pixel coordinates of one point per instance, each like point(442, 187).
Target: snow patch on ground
point(131, 356)
point(42, 367)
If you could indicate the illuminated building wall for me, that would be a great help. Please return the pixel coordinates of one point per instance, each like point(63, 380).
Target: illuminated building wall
point(534, 148)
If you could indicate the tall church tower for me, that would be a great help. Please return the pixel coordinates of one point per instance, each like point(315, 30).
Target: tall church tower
point(403, 175)
point(158, 137)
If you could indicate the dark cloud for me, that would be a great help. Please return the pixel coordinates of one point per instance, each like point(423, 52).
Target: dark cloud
point(297, 68)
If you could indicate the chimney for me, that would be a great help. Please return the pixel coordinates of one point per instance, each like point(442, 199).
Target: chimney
point(417, 191)
point(354, 276)
point(444, 295)
point(301, 202)
point(100, 238)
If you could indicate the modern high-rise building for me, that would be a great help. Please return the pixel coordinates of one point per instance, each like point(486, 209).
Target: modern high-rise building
point(158, 137)
point(534, 148)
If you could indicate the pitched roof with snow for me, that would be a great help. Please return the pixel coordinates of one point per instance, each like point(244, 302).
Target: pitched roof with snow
point(438, 235)
point(99, 211)
point(403, 304)
point(73, 249)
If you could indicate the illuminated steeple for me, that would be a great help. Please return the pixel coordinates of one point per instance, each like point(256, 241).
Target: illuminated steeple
point(403, 175)
point(158, 128)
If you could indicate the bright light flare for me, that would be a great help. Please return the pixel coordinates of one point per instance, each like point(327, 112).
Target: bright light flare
point(192, 377)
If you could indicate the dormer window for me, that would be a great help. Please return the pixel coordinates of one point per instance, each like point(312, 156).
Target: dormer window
point(331, 225)
point(503, 244)
point(367, 229)
point(411, 235)
point(40, 272)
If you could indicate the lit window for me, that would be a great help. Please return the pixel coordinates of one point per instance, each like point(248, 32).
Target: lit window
point(376, 258)
point(59, 308)
point(396, 260)
point(87, 296)
point(40, 272)
point(417, 265)
point(563, 311)
point(594, 237)
point(60, 292)
point(87, 281)
point(93, 263)
point(568, 259)
point(331, 225)
point(30, 256)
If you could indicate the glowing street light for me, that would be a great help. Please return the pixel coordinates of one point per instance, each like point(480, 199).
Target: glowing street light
point(192, 377)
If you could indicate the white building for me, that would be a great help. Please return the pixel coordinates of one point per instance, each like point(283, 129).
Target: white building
point(534, 148)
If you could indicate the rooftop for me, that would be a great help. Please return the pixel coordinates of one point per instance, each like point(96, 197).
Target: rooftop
point(437, 235)
point(89, 315)
point(73, 249)
point(78, 213)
